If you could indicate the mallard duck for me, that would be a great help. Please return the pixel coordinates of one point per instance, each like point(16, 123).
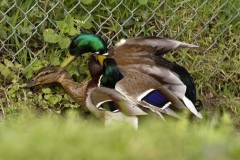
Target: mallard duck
point(144, 55)
point(155, 101)
point(91, 97)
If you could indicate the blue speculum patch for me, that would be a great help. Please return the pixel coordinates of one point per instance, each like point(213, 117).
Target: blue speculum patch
point(156, 98)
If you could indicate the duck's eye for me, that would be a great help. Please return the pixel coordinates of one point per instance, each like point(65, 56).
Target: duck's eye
point(47, 72)
point(74, 44)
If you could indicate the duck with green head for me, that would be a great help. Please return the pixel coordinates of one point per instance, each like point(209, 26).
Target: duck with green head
point(144, 55)
point(145, 96)
point(107, 76)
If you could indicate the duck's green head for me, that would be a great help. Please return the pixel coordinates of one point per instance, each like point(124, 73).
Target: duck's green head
point(110, 73)
point(84, 43)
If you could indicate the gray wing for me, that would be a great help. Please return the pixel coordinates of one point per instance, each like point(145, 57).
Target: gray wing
point(135, 86)
point(160, 45)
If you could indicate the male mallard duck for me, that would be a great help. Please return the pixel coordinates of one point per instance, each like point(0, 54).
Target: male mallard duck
point(91, 97)
point(155, 101)
point(143, 54)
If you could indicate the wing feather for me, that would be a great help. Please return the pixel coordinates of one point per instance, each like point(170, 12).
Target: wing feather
point(103, 94)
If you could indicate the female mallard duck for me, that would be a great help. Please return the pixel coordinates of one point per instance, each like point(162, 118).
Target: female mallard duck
point(91, 97)
point(144, 55)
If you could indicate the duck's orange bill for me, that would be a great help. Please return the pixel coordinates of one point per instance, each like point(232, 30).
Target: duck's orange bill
point(69, 58)
point(101, 59)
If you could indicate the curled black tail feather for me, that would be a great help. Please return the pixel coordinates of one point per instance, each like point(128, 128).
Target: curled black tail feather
point(187, 79)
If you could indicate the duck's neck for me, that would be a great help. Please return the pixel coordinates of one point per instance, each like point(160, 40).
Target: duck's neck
point(111, 74)
point(78, 92)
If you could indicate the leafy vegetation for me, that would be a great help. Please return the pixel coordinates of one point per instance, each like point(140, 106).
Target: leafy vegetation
point(41, 39)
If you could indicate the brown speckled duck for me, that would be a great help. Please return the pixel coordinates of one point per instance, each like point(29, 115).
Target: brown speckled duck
point(91, 97)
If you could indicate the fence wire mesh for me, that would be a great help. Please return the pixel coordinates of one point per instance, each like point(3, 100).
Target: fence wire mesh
point(205, 22)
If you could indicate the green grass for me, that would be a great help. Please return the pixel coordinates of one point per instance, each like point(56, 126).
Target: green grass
point(30, 137)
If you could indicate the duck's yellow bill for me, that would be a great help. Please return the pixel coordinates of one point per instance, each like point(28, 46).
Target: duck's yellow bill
point(101, 59)
point(69, 58)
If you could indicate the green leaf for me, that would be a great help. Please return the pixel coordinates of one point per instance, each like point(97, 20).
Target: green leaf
point(68, 98)
point(15, 87)
point(40, 97)
point(12, 91)
point(69, 20)
point(28, 73)
point(86, 1)
point(55, 99)
point(63, 27)
point(142, 1)
point(50, 36)
point(14, 78)
point(88, 24)
point(64, 41)
point(73, 31)
point(46, 90)
point(72, 68)
point(47, 96)
point(59, 97)
point(6, 72)
point(83, 69)
point(54, 59)
point(67, 26)
point(87, 73)
point(36, 65)
point(8, 63)
point(18, 66)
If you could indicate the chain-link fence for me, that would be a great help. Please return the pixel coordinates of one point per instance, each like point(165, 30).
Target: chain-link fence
point(208, 23)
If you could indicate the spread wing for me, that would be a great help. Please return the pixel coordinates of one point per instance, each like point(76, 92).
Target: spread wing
point(149, 45)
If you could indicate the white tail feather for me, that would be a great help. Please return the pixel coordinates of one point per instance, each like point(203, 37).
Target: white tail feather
point(191, 107)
